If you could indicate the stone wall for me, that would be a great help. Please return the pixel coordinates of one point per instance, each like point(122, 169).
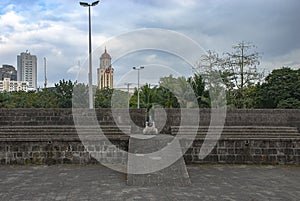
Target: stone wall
point(254, 151)
point(64, 146)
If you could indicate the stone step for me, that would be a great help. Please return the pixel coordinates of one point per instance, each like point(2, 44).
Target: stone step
point(237, 132)
point(61, 138)
point(56, 134)
point(241, 136)
point(58, 131)
point(62, 129)
point(234, 128)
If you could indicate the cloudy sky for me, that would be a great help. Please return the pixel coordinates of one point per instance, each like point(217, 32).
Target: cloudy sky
point(58, 30)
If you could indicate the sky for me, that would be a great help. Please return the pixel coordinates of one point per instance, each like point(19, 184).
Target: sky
point(160, 35)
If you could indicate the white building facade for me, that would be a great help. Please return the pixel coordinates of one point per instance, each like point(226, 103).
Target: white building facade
point(7, 85)
point(27, 69)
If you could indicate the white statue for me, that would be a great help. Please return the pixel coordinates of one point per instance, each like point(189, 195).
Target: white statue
point(150, 128)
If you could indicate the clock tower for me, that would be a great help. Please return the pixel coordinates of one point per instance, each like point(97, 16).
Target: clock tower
point(105, 72)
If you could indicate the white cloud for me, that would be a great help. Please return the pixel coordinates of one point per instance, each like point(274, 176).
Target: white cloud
point(58, 29)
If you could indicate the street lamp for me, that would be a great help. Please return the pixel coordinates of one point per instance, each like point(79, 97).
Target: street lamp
point(138, 69)
point(91, 98)
point(128, 84)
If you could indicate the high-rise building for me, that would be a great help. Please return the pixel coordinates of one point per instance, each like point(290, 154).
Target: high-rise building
point(8, 71)
point(27, 69)
point(105, 72)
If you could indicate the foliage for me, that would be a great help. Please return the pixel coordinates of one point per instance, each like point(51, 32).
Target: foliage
point(103, 98)
point(181, 89)
point(80, 97)
point(111, 98)
point(281, 89)
point(201, 94)
point(64, 92)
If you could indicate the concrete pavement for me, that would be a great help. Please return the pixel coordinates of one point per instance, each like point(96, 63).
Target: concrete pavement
point(95, 182)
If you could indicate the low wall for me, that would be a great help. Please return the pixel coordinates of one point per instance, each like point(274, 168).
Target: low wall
point(255, 151)
point(247, 117)
point(41, 148)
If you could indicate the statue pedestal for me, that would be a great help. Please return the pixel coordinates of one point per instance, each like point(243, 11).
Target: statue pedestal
point(147, 162)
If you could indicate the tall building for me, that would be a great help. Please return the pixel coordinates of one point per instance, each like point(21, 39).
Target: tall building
point(105, 72)
point(8, 71)
point(27, 69)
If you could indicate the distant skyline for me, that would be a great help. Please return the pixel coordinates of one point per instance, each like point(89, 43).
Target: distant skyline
point(58, 30)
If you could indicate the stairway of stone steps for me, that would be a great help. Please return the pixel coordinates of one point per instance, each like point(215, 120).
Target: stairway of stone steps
point(238, 132)
point(65, 133)
point(70, 132)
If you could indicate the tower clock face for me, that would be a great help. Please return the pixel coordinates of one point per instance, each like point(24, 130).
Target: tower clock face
point(107, 70)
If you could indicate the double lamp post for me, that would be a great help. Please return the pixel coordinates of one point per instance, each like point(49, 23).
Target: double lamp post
point(91, 97)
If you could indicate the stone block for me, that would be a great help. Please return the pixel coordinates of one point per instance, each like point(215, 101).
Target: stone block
point(239, 159)
point(35, 148)
point(231, 151)
point(297, 151)
point(151, 170)
point(256, 151)
point(272, 151)
point(281, 159)
point(66, 161)
point(230, 158)
point(222, 151)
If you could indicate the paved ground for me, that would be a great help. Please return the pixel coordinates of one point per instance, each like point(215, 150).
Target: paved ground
point(94, 182)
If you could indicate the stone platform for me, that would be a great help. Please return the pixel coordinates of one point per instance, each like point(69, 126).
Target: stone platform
point(156, 160)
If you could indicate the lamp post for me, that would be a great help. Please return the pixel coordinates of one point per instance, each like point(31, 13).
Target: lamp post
point(138, 69)
point(91, 98)
point(128, 84)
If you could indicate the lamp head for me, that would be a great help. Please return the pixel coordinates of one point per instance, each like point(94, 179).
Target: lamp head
point(95, 3)
point(84, 4)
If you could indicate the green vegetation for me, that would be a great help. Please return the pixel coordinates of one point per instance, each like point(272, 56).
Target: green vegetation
point(236, 72)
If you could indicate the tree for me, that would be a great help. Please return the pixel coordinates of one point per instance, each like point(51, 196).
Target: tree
point(198, 86)
point(111, 98)
point(45, 99)
point(103, 98)
point(240, 68)
point(165, 98)
point(181, 89)
point(64, 93)
point(281, 89)
point(210, 67)
point(80, 96)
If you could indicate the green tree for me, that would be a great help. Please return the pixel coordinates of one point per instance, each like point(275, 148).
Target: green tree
point(111, 98)
point(64, 93)
point(80, 97)
point(281, 89)
point(45, 98)
point(201, 94)
point(103, 98)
